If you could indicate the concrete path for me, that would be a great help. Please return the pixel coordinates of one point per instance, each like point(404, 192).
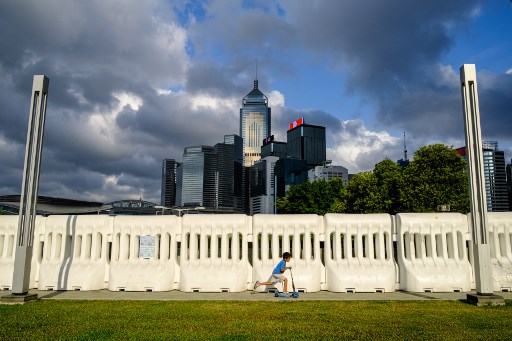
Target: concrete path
point(248, 296)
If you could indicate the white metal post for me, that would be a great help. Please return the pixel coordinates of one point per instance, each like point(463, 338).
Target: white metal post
point(30, 186)
point(478, 214)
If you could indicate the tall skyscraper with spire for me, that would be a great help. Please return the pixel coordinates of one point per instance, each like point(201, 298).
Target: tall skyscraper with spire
point(254, 124)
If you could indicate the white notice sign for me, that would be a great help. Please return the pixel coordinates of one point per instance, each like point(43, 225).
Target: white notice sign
point(147, 247)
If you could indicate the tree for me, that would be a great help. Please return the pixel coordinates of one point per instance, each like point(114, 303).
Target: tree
point(436, 176)
point(363, 194)
point(389, 183)
point(318, 197)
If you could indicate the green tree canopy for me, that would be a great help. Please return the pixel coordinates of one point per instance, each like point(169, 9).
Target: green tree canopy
point(363, 194)
point(318, 197)
point(436, 176)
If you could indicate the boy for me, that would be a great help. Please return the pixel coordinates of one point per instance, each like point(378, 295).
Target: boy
point(277, 274)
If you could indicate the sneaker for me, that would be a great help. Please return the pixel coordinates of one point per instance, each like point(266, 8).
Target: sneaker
point(257, 284)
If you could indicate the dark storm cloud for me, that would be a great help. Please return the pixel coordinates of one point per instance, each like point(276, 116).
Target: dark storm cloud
point(91, 52)
point(495, 99)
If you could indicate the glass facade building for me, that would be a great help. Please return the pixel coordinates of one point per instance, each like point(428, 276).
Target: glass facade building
point(495, 177)
point(307, 142)
point(255, 115)
point(274, 148)
point(168, 190)
point(262, 183)
point(230, 172)
point(509, 184)
point(198, 177)
point(289, 172)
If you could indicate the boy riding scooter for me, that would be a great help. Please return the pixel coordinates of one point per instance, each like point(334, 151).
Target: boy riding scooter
point(278, 273)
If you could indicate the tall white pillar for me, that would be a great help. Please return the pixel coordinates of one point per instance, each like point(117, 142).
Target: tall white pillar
point(478, 214)
point(30, 186)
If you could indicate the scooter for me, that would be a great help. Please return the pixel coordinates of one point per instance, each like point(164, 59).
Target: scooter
point(294, 294)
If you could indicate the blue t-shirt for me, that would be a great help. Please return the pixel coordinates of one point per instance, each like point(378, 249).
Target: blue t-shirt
point(280, 266)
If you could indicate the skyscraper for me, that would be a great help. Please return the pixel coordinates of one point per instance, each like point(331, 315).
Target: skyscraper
point(230, 173)
point(495, 177)
point(254, 124)
point(509, 184)
point(306, 142)
point(168, 190)
point(273, 148)
point(198, 177)
point(262, 182)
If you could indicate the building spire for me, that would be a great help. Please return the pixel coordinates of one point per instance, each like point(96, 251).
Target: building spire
point(256, 78)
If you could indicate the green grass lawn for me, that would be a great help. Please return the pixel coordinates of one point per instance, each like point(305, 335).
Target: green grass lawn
point(148, 320)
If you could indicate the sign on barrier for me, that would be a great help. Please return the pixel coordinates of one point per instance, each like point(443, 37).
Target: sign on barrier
point(144, 253)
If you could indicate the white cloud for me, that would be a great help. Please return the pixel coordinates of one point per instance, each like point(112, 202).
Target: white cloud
point(509, 72)
point(359, 149)
point(276, 98)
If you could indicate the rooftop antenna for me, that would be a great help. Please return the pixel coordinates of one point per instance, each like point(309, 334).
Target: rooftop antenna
point(256, 79)
point(405, 149)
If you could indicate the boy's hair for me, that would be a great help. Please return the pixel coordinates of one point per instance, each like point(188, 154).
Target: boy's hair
point(287, 255)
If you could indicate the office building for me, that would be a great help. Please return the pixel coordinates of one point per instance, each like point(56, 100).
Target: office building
point(262, 184)
point(495, 176)
point(197, 177)
point(273, 148)
point(230, 173)
point(254, 124)
point(289, 172)
point(168, 190)
point(328, 172)
point(509, 184)
point(306, 142)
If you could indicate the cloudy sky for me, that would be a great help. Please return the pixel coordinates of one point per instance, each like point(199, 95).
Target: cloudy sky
point(134, 82)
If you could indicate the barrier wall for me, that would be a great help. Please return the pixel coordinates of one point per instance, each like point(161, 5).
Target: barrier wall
point(214, 253)
point(144, 253)
point(358, 253)
point(8, 240)
point(272, 235)
point(432, 252)
point(499, 227)
point(75, 253)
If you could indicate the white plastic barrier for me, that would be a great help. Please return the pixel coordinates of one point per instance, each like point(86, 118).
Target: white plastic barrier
point(500, 239)
point(214, 253)
point(144, 253)
point(8, 239)
point(432, 252)
point(358, 253)
point(300, 235)
point(75, 252)
point(8, 228)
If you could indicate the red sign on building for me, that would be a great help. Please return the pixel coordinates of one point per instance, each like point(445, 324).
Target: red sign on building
point(296, 123)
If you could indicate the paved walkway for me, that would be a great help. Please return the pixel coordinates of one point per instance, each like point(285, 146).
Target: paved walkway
point(248, 296)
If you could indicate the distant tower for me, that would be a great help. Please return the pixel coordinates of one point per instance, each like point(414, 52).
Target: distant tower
point(405, 149)
point(254, 124)
point(405, 161)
